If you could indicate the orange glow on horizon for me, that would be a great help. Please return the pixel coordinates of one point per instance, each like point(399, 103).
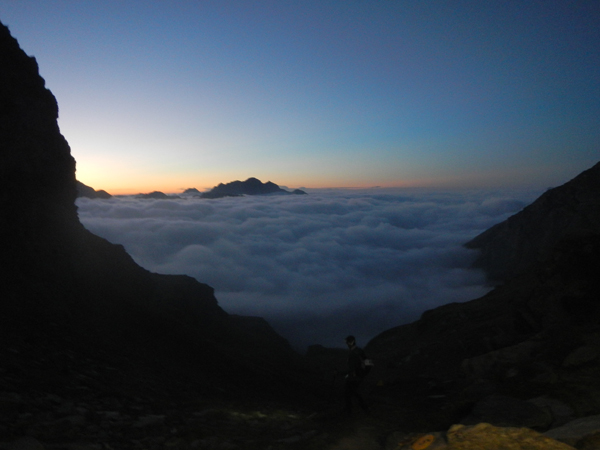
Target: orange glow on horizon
point(170, 188)
point(132, 185)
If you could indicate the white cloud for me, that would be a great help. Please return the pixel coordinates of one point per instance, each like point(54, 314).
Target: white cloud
point(317, 267)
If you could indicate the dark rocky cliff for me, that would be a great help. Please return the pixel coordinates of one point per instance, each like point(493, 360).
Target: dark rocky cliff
point(528, 352)
point(64, 289)
point(570, 210)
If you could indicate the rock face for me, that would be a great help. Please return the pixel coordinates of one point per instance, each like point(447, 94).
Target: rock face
point(478, 437)
point(570, 210)
point(66, 291)
point(583, 433)
point(251, 186)
point(535, 338)
point(36, 166)
point(489, 437)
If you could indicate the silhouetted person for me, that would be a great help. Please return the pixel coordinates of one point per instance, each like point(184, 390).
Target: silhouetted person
point(355, 376)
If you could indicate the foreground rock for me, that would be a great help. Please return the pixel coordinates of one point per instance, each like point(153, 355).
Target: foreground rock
point(57, 423)
point(582, 433)
point(496, 438)
point(477, 437)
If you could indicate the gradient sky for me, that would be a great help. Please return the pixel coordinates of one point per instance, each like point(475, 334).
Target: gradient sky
point(158, 95)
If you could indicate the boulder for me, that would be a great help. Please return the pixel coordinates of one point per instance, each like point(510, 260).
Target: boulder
point(503, 359)
point(576, 431)
point(581, 355)
point(429, 441)
point(561, 412)
point(489, 437)
point(477, 437)
point(502, 410)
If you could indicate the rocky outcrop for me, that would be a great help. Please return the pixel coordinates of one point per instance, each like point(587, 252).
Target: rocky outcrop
point(582, 433)
point(528, 352)
point(506, 438)
point(67, 295)
point(533, 341)
point(571, 210)
point(251, 186)
point(477, 437)
point(536, 336)
point(36, 167)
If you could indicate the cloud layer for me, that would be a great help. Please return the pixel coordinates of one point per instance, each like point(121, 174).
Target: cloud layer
point(317, 267)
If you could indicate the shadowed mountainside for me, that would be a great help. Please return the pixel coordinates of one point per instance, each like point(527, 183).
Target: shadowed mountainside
point(61, 282)
point(528, 352)
point(512, 246)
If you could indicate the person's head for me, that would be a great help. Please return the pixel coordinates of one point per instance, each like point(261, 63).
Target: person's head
point(350, 341)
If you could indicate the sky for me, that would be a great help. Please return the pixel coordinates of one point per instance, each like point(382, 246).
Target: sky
point(321, 266)
point(158, 95)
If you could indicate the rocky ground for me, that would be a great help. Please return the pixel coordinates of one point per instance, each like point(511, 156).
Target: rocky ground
point(67, 399)
point(95, 407)
point(62, 392)
point(60, 397)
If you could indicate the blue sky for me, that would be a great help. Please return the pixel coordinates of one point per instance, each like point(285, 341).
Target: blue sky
point(171, 95)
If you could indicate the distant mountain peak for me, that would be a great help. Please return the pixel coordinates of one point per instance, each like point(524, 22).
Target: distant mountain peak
point(89, 192)
point(157, 195)
point(252, 186)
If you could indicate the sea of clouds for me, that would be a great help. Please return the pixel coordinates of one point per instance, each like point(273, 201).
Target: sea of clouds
point(320, 266)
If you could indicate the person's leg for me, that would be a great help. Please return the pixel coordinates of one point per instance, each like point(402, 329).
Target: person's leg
point(354, 391)
point(361, 401)
point(348, 394)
